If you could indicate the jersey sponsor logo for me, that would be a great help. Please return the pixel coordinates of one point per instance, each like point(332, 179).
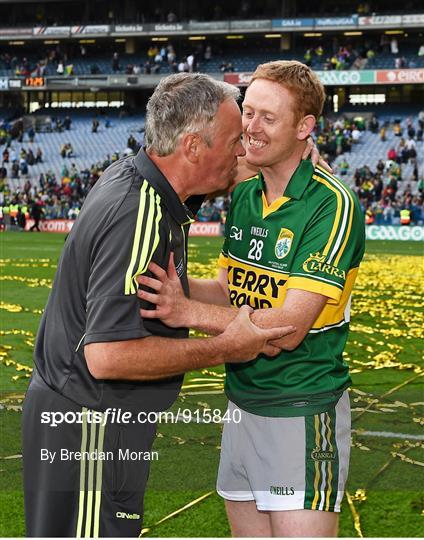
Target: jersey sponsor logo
point(124, 515)
point(318, 454)
point(236, 233)
point(259, 231)
point(316, 263)
point(281, 490)
point(284, 243)
point(251, 286)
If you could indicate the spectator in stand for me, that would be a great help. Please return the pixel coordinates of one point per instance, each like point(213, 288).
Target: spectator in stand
point(31, 134)
point(151, 53)
point(191, 63)
point(226, 67)
point(115, 62)
point(171, 17)
point(394, 47)
point(132, 144)
point(183, 65)
point(411, 149)
point(66, 150)
point(343, 167)
point(30, 157)
point(23, 166)
point(356, 135)
point(171, 56)
point(208, 53)
point(373, 124)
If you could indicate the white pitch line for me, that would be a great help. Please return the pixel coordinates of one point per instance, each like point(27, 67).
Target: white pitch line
point(388, 435)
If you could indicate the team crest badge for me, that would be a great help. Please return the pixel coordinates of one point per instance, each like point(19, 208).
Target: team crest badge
point(284, 243)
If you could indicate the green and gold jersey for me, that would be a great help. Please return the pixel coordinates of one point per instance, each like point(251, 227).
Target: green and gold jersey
point(312, 239)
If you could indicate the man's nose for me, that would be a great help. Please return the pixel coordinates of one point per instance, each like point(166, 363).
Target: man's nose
point(240, 149)
point(254, 125)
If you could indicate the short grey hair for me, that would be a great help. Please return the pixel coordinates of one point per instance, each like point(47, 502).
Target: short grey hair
point(184, 103)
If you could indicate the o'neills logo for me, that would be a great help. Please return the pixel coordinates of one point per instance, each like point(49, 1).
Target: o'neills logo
point(124, 515)
point(318, 454)
point(316, 263)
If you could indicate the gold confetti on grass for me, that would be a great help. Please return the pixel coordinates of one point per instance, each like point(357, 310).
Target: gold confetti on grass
point(29, 282)
point(177, 512)
point(355, 516)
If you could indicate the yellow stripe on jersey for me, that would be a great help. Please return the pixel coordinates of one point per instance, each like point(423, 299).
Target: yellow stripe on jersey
point(129, 286)
point(223, 261)
point(146, 256)
point(338, 212)
point(312, 285)
point(343, 232)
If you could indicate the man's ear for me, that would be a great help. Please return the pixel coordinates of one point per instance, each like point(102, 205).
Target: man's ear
point(305, 127)
point(191, 146)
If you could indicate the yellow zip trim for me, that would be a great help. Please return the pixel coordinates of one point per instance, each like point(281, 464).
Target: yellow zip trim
point(129, 286)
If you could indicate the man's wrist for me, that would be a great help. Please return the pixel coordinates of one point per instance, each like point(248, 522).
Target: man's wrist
point(223, 349)
point(185, 312)
point(188, 312)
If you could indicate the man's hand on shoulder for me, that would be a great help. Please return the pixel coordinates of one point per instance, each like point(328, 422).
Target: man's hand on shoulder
point(312, 151)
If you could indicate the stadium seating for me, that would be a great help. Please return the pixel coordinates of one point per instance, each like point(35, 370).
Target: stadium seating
point(91, 148)
point(245, 59)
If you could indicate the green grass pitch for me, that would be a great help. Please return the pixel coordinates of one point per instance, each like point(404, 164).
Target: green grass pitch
point(387, 397)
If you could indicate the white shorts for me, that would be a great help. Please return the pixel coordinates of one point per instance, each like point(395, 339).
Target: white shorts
point(286, 463)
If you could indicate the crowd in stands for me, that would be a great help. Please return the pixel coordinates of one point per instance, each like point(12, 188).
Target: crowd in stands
point(378, 190)
point(70, 58)
point(357, 54)
point(60, 194)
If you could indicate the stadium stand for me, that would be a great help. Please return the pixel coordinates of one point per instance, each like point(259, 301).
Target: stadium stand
point(327, 54)
point(61, 182)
